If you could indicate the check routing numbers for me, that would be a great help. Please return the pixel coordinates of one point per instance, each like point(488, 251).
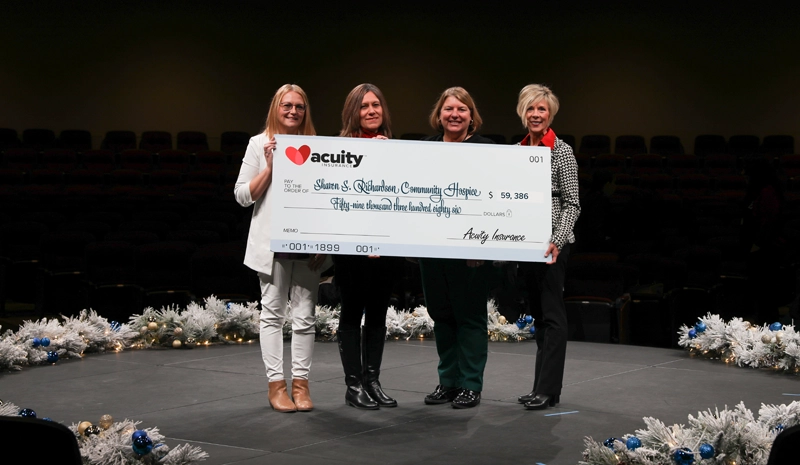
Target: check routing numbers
point(409, 198)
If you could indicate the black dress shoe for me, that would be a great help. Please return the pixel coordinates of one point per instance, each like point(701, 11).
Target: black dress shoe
point(541, 401)
point(442, 395)
point(526, 398)
point(467, 398)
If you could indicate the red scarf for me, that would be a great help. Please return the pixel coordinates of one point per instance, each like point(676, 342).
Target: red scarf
point(368, 135)
point(548, 140)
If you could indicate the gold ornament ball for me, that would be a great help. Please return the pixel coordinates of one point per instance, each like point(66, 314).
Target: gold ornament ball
point(106, 421)
point(190, 342)
point(177, 331)
point(143, 330)
point(128, 430)
point(152, 326)
point(779, 337)
point(766, 339)
point(82, 427)
point(176, 343)
point(501, 319)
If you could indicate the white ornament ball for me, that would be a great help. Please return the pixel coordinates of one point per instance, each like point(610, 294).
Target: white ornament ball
point(501, 319)
point(766, 339)
point(176, 343)
point(779, 337)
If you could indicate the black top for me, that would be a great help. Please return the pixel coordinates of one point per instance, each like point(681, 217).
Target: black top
point(475, 139)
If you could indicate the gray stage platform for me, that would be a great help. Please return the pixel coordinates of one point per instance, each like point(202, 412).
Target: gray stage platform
point(216, 398)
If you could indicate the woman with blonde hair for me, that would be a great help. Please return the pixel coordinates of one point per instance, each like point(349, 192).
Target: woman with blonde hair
point(280, 273)
point(365, 282)
point(536, 107)
point(456, 290)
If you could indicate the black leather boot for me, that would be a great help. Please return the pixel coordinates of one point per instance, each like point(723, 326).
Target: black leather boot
point(373, 342)
point(350, 351)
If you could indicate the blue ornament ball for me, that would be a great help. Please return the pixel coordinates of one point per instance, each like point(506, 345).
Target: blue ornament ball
point(45, 341)
point(520, 323)
point(683, 456)
point(532, 330)
point(528, 319)
point(700, 326)
point(52, 356)
point(692, 334)
point(610, 443)
point(37, 342)
point(138, 434)
point(633, 443)
point(47, 419)
point(142, 445)
point(775, 326)
point(706, 451)
point(114, 325)
point(27, 413)
point(779, 428)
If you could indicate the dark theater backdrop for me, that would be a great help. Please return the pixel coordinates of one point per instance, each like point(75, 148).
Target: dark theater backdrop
point(678, 68)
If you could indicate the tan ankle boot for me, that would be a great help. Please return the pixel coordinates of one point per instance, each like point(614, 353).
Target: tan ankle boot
point(301, 395)
point(278, 397)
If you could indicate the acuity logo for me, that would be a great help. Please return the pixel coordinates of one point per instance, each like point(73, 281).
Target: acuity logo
point(298, 156)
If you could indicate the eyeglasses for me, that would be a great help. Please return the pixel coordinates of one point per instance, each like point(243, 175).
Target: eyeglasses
point(288, 107)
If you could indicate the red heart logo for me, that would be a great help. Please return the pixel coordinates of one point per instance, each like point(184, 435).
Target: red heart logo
point(298, 156)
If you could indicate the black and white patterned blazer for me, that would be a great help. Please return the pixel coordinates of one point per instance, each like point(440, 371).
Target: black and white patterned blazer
point(565, 204)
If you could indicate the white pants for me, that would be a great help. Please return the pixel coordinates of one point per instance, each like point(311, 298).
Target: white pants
point(295, 276)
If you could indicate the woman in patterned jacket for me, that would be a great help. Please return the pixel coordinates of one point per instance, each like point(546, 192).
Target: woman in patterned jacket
point(537, 105)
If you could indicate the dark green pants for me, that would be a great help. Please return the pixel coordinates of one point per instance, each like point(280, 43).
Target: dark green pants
point(455, 295)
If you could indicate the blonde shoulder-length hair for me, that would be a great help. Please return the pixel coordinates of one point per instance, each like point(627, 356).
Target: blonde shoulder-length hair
point(463, 96)
point(351, 113)
point(271, 125)
point(533, 93)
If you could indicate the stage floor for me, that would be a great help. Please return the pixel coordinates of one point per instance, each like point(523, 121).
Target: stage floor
point(216, 398)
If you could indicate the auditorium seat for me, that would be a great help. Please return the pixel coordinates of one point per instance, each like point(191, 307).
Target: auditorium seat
point(666, 145)
point(102, 160)
point(117, 141)
point(611, 162)
point(777, 145)
point(177, 160)
point(75, 139)
point(64, 160)
point(234, 143)
point(155, 141)
point(136, 159)
point(630, 145)
point(212, 160)
point(709, 144)
point(9, 139)
point(61, 443)
point(720, 164)
point(646, 163)
point(743, 145)
point(192, 141)
point(21, 158)
point(39, 139)
point(595, 144)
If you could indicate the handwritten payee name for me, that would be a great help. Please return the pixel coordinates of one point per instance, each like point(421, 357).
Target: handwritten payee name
point(361, 186)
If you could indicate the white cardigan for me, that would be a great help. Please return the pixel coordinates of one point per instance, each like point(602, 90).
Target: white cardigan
point(257, 256)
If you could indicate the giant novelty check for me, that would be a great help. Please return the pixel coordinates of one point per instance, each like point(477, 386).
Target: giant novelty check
point(401, 198)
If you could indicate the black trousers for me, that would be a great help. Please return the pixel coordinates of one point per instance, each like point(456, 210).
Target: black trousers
point(545, 286)
point(365, 286)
